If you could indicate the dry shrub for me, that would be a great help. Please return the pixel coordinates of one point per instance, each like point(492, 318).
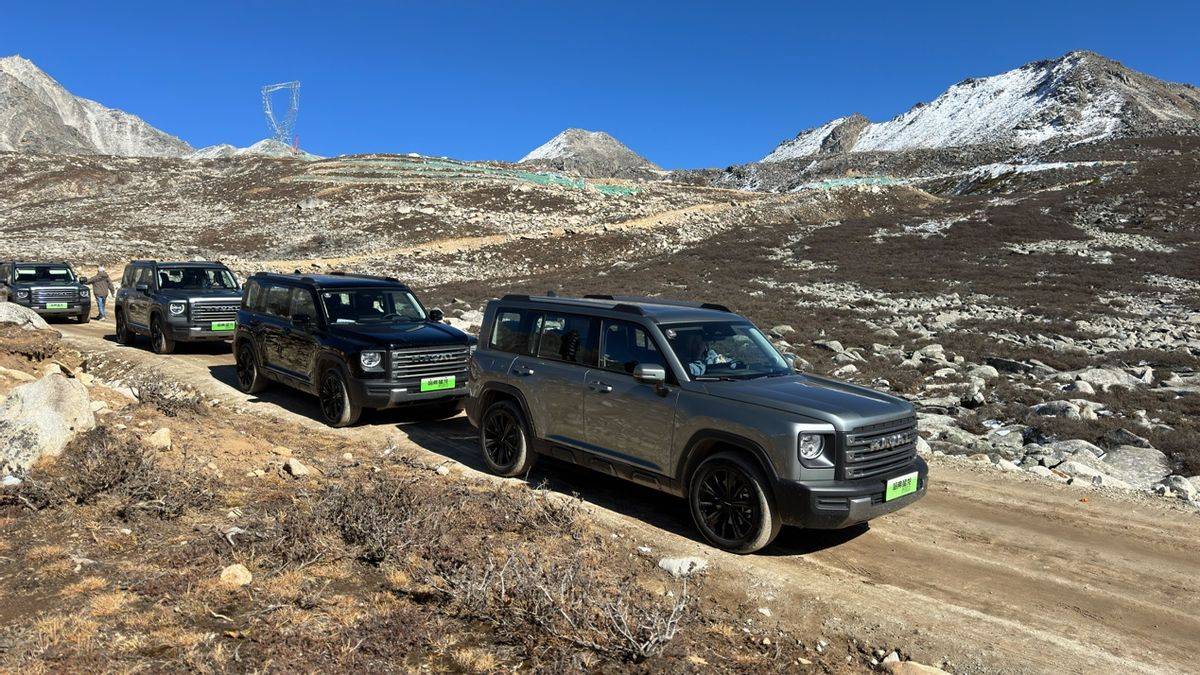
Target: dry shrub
point(383, 515)
point(104, 462)
point(565, 611)
point(169, 400)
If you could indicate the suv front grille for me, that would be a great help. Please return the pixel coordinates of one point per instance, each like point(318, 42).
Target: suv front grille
point(429, 362)
point(55, 294)
point(203, 312)
point(876, 449)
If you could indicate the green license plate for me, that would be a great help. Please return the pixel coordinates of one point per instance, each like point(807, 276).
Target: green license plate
point(437, 383)
point(900, 486)
point(56, 305)
point(224, 325)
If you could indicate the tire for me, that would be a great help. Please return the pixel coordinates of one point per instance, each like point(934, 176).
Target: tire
point(504, 440)
point(83, 317)
point(124, 335)
point(250, 378)
point(443, 410)
point(336, 407)
point(731, 503)
point(161, 341)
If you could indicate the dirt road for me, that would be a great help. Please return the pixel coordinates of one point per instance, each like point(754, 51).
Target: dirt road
point(990, 572)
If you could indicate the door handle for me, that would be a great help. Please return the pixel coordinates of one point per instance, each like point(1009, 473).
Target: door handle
point(522, 372)
point(601, 387)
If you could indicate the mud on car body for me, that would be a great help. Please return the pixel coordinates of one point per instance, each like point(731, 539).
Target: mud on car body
point(353, 341)
point(51, 289)
point(693, 400)
point(172, 302)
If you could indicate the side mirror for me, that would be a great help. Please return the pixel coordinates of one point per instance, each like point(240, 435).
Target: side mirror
point(302, 321)
point(83, 280)
point(649, 374)
point(791, 360)
point(142, 287)
point(436, 315)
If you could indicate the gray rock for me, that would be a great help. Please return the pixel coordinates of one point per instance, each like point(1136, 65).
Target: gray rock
point(683, 567)
point(1104, 378)
point(1141, 467)
point(782, 330)
point(845, 370)
point(11, 312)
point(1116, 437)
point(831, 345)
point(159, 440)
point(1181, 486)
point(984, 372)
point(1080, 387)
point(1065, 409)
point(39, 419)
point(295, 467)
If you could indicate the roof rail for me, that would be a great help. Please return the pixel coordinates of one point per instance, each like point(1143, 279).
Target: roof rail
point(659, 301)
point(631, 309)
point(344, 273)
point(514, 297)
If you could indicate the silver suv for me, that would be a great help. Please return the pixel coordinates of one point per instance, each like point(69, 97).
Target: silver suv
point(693, 400)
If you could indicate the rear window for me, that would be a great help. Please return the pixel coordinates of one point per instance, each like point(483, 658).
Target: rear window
point(513, 331)
point(568, 337)
point(279, 301)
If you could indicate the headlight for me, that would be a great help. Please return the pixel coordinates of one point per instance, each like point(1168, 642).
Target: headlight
point(471, 349)
point(22, 294)
point(177, 308)
point(370, 360)
point(811, 445)
point(83, 292)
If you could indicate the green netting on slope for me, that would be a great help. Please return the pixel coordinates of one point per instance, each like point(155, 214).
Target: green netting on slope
point(849, 182)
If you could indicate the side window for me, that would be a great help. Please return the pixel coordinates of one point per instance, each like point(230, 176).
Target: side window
point(254, 296)
point(514, 331)
point(302, 303)
point(144, 276)
point(279, 300)
point(627, 345)
point(570, 338)
point(127, 277)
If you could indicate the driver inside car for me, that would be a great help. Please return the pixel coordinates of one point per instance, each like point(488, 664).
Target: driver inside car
point(699, 355)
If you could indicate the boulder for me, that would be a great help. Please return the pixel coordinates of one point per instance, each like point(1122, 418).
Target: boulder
point(1116, 437)
point(39, 419)
point(236, 576)
point(1182, 487)
point(984, 372)
point(1104, 378)
point(27, 319)
point(1065, 409)
point(1142, 467)
point(159, 440)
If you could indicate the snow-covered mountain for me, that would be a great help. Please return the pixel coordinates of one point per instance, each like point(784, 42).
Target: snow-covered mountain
point(268, 147)
point(589, 153)
point(38, 115)
point(1080, 95)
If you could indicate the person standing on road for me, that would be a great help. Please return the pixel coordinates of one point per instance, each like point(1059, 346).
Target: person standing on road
point(102, 287)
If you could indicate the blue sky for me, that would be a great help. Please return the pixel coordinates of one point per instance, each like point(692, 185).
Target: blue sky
point(687, 84)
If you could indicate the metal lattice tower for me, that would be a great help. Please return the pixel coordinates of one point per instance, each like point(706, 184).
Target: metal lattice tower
point(282, 130)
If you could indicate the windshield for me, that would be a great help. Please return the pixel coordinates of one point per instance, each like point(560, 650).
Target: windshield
point(371, 306)
point(715, 350)
point(28, 273)
point(196, 278)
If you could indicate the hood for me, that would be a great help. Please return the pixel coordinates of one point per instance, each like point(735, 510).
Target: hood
point(201, 294)
point(416, 334)
point(845, 406)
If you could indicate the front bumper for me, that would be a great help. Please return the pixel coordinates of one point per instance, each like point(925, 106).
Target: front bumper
point(187, 333)
point(73, 309)
point(379, 394)
point(831, 505)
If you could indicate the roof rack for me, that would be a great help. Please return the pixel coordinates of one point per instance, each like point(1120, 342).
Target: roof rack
point(344, 273)
point(659, 301)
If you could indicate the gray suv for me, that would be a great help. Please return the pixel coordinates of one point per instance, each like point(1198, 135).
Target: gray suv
point(172, 302)
point(693, 400)
point(49, 288)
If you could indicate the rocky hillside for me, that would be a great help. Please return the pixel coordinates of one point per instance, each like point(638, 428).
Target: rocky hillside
point(590, 153)
point(1080, 95)
point(38, 115)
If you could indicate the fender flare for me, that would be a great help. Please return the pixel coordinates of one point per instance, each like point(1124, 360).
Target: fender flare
point(696, 449)
point(513, 392)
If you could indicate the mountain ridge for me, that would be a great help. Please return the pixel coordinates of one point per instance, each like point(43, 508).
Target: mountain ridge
point(1080, 95)
point(37, 114)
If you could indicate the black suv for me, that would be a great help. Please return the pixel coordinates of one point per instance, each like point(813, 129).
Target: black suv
point(50, 289)
point(176, 302)
point(354, 341)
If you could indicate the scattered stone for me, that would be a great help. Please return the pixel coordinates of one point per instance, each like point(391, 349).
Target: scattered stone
point(985, 372)
point(846, 370)
point(1116, 437)
point(1181, 486)
point(236, 576)
point(683, 567)
point(831, 345)
point(1142, 467)
point(782, 330)
point(442, 470)
point(1105, 378)
point(282, 451)
point(159, 440)
point(296, 468)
